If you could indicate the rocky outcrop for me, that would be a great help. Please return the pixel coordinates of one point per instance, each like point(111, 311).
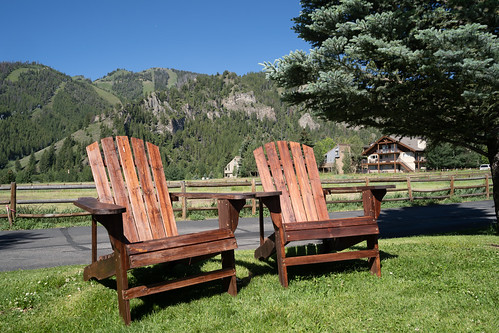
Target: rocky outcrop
point(307, 121)
point(154, 104)
point(163, 110)
point(247, 102)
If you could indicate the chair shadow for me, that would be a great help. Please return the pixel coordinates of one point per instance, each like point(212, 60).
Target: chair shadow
point(167, 271)
point(336, 267)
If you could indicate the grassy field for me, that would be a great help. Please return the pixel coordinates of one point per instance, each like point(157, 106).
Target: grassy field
point(428, 284)
point(109, 97)
point(14, 75)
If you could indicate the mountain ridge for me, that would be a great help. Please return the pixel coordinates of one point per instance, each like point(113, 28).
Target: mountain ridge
point(200, 121)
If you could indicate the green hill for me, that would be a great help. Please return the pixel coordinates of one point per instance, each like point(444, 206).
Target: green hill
point(200, 121)
point(128, 85)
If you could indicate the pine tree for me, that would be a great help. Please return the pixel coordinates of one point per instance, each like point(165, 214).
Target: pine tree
point(412, 68)
point(17, 165)
point(31, 168)
point(47, 160)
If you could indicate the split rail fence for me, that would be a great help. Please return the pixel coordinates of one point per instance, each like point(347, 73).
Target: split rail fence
point(405, 185)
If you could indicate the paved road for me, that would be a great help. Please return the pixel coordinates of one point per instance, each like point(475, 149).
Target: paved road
point(30, 249)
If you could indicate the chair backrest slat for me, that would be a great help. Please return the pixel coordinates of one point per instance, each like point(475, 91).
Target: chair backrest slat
point(136, 182)
point(296, 175)
point(315, 183)
point(119, 190)
point(165, 204)
point(99, 173)
point(134, 191)
point(150, 198)
point(263, 170)
point(291, 181)
point(267, 183)
point(303, 179)
point(279, 181)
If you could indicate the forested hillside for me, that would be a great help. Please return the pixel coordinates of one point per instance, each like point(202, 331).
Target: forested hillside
point(200, 121)
point(40, 106)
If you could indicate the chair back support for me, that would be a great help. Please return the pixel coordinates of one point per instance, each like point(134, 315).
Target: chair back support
point(291, 168)
point(136, 180)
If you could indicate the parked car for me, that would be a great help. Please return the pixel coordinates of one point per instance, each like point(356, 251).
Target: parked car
point(484, 167)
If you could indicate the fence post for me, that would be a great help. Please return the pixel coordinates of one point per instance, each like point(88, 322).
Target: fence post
point(409, 189)
point(367, 181)
point(13, 202)
point(487, 190)
point(451, 186)
point(183, 201)
point(253, 201)
point(9, 216)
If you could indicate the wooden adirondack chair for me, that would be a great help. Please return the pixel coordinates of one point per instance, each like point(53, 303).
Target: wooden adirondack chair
point(301, 213)
point(135, 207)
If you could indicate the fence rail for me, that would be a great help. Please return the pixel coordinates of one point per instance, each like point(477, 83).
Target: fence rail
point(404, 184)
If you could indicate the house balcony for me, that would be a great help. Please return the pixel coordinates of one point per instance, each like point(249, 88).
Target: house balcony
point(390, 166)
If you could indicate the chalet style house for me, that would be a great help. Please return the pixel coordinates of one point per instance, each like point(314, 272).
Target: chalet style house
point(231, 168)
point(390, 154)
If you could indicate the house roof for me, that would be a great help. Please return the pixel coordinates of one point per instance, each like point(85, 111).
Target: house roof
point(340, 146)
point(412, 144)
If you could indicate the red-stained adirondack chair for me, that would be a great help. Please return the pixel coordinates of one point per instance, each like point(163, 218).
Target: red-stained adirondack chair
point(135, 207)
point(301, 213)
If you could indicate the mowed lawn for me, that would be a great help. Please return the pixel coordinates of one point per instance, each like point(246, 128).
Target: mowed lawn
point(429, 284)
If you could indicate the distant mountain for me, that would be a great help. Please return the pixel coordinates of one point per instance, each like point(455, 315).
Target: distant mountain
point(39, 106)
point(200, 121)
point(130, 86)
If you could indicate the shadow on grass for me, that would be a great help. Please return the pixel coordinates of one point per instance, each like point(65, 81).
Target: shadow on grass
point(335, 267)
point(168, 271)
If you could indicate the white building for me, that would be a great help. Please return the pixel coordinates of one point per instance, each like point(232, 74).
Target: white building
point(232, 167)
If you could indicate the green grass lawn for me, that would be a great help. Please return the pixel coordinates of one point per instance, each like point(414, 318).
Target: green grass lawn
point(428, 284)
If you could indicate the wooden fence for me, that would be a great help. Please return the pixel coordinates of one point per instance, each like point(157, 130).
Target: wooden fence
point(405, 185)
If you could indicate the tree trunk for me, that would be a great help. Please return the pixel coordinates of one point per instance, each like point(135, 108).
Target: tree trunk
point(493, 148)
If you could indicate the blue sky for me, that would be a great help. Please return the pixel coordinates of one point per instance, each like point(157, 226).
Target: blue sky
point(93, 38)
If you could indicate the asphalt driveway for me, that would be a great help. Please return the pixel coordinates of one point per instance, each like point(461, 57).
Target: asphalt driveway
point(30, 249)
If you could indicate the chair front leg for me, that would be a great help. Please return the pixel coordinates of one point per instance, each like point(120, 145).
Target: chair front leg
point(274, 206)
point(281, 258)
point(94, 240)
point(229, 283)
point(374, 262)
point(122, 282)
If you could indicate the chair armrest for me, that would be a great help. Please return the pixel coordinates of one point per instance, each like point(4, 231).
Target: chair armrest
point(95, 207)
point(202, 195)
point(272, 201)
point(259, 195)
point(173, 197)
point(354, 189)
